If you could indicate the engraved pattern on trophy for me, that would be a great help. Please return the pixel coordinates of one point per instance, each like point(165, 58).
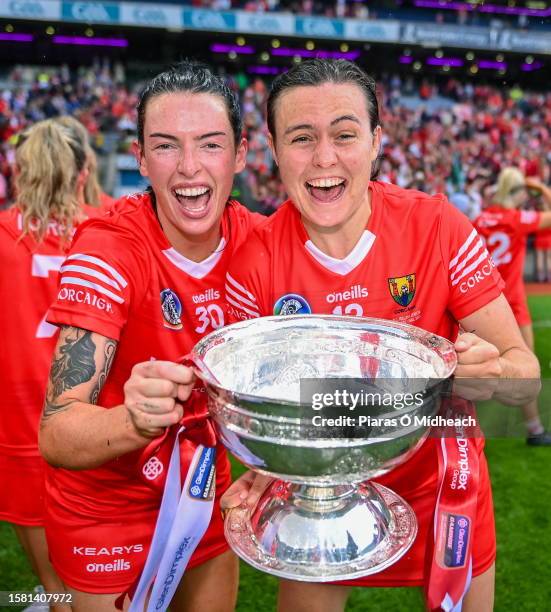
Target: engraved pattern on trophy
point(322, 520)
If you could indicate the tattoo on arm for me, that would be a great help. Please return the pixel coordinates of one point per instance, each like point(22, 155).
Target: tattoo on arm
point(74, 364)
point(108, 353)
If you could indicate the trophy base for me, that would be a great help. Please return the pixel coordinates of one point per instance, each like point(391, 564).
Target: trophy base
point(322, 533)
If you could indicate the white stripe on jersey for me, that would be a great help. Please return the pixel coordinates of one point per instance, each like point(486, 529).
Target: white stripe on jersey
point(240, 298)
point(100, 263)
point(242, 308)
point(479, 245)
point(528, 216)
point(80, 282)
point(463, 248)
point(485, 255)
point(239, 287)
point(89, 272)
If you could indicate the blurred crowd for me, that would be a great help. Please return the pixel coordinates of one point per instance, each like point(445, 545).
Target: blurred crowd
point(96, 95)
point(461, 13)
point(451, 137)
point(461, 135)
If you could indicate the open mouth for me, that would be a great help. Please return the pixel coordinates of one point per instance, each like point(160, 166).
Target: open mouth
point(326, 189)
point(193, 200)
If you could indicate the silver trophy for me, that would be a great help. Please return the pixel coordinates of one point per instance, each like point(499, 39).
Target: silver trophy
point(320, 520)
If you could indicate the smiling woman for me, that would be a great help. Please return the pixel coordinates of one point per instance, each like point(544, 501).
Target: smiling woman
point(345, 243)
point(190, 161)
point(342, 132)
point(139, 288)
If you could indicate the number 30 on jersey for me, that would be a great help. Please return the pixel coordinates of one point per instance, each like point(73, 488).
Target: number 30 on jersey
point(211, 315)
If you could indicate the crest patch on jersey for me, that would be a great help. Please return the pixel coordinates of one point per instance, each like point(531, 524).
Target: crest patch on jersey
point(172, 309)
point(290, 304)
point(402, 289)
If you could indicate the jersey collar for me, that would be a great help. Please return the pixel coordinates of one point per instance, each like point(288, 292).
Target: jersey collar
point(359, 252)
point(351, 261)
point(196, 269)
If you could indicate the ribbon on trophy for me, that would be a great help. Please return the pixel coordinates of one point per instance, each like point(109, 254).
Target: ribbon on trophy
point(185, 511)
point(454, 516)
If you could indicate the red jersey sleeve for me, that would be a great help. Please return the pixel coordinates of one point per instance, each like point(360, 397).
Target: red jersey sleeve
point(99, 279)
point(247, 281)
point(242, 222)
point(527, 221)
point(472, 276)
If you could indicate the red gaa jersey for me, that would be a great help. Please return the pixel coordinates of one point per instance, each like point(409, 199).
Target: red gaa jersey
point(27, 288)
point(505, 231)
point(123, 280)
point(418, 261)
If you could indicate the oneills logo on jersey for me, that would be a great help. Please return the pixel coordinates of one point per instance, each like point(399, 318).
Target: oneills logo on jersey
point(172, 309)
point(290, 304)
point(402, 289)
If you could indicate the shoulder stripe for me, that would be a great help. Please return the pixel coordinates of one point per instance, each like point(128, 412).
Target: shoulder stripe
point(90, 272)
point(252, 313)
point(100, 263)
point(463, 248)
point(485, 256)
point(239, 287)
point(73, 280)
point(476, 248)
point(240, 297)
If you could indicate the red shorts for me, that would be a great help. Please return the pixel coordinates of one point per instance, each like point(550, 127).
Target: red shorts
point(22, 490)
point(417, 483)
point(107, 556)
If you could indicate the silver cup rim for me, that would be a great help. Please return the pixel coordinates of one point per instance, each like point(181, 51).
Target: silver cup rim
point(446, 352)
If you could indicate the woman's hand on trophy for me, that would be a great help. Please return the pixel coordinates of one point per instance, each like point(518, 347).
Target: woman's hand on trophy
point(246, 490)
point(477, 358)
point(153, 395)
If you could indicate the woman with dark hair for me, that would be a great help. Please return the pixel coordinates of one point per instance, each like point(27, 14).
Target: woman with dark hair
point(138, 289)
point(345, 243)
point(50, 174)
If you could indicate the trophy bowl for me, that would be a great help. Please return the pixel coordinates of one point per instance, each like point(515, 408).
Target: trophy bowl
point(321, 519)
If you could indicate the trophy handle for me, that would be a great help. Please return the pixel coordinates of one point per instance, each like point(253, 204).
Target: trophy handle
point(200, 368)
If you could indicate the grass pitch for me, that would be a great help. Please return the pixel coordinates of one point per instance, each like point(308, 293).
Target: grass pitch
point(522, 499)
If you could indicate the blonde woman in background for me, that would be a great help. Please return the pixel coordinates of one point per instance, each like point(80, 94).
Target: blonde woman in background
point(50, 173)
point(93, 194)
point(506, 227)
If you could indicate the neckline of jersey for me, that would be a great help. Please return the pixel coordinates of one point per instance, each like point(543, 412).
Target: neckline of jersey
point(342, 267)
point(195, 269)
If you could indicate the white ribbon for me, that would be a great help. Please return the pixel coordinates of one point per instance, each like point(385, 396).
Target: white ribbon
point(184, 516)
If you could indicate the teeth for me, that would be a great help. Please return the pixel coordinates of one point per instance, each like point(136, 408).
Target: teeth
point(326, 182)
point(191, 191)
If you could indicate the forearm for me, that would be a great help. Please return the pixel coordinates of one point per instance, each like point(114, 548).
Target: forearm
point(519, 362)
point(546, 196)
point(83, 436)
